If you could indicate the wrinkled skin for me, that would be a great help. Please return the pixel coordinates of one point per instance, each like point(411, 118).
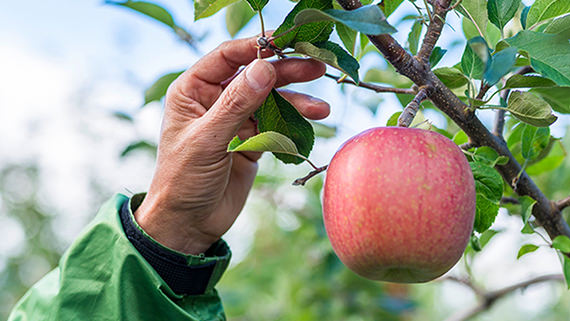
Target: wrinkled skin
point(198, 189)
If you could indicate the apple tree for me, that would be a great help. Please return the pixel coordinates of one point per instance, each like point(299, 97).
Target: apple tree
point(514, 63)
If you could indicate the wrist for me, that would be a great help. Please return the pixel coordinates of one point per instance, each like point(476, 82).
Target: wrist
point(171, 228)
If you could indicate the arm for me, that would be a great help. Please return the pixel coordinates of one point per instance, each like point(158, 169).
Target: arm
point(197, 192)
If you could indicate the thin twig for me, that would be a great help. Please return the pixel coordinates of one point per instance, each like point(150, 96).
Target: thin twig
point(468, 145)
point(562, 204)
point(412, 108)
point(436, 23)
point(487, 299)
point(455, 5)
point(301, 181)
point(509, 200)
point(376, 88)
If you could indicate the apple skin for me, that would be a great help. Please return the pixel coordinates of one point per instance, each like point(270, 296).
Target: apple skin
point(399, 204)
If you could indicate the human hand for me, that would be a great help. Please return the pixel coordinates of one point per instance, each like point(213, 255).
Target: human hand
point(198, 189)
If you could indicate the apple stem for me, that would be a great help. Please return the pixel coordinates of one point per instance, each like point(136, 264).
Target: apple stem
point(412, 108)
point(301, 181)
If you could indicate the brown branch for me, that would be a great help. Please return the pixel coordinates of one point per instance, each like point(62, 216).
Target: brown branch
point(467, 146)
point(564, 203)
point(443, 98)
point(440, 8)
point(303, 180)
point(509, 200)
point(487, 299)
point(412, 108)
point(376, 88)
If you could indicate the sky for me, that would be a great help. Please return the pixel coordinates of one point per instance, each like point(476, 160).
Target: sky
point(66, 66)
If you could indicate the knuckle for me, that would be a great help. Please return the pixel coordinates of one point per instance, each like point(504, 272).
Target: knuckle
point(235, 100)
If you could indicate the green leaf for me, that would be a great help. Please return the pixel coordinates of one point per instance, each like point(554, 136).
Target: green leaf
point(471, 63)
point(533, 140)
point(347, 36)
point(530, 109)
point(264, 142)
point(524, 15)
point(206, 8)
point(525, 81)
point(312, 32)
point(542, 10)
point(451, 77)
point(393, 120)
point(559, 26)
point(331, 54)
point(158, 89)
point(414, 36)
point(550, 162)
point(237, 17)
point(566, 270)
point(324, 131)
point(487, 236)
point(436, 56)
point(557, 97)
point(527, 204)
point(527, 229)
point(367, 19)
point(389, 6)
point(489, 156)
point(477, 9)
point(525, 249)
point(149, 9)
point(141, 145)
point(499, 65)
point(549, 53)
point(475, 243)
point(485, 213)
point(460, 138)
point(502, 11)
point(257, 5)
point(488, 182)
point(562, 243)
point(278, 115)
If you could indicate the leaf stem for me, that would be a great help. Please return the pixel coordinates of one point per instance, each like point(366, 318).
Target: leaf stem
point(376, 88)
point(301, 181)
point(428, 11)
point(472, 20)
point(283, 33)
point(262, 24)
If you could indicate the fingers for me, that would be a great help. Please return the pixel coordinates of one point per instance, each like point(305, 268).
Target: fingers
point(225, 60)
point(239, 100)
point(310, 107)
point(293, 70)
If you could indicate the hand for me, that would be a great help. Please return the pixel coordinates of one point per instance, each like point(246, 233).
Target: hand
point(198, 189)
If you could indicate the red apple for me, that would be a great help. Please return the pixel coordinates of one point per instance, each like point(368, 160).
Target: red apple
point(399, 204)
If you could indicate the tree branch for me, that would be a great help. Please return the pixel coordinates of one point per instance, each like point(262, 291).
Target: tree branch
point(433, 32)
point(509, 200)
point(564, 203)
point(412, 108)
point(376, 88)
point(546, 213)
point(489, 298)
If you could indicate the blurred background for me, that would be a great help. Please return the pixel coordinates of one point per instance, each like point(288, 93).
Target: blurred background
point(73, 131)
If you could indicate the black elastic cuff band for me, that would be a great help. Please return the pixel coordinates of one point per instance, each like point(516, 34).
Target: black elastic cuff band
point(172, 268)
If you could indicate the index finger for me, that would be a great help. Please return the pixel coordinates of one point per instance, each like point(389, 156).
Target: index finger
point(224, 61)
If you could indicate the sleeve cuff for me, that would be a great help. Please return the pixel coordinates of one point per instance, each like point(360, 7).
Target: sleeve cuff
point(184, 274)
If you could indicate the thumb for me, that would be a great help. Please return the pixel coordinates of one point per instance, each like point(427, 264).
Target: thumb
point(240, 99)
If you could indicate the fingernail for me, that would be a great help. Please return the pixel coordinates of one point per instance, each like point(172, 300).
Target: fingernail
point(259, 75)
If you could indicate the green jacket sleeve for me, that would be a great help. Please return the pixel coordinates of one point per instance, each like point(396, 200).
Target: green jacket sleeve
point(103, 277)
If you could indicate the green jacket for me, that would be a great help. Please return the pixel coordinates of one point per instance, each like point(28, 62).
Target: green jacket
point(103, 277)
